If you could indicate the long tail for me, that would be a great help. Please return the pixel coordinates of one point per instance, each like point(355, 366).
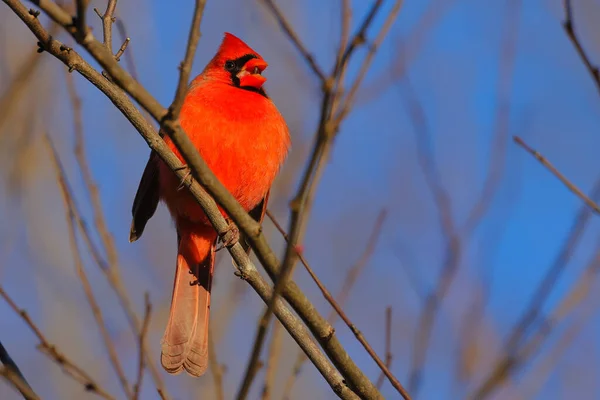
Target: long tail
point(185, 342)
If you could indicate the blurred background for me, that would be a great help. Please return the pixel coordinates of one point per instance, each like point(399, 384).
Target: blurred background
point(472, 225)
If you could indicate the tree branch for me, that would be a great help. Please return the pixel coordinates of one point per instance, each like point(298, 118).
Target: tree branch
point(186, 65)
point(13, 374)
point(569, 27)
point(54, 354)
point(565, 181)
point(87, 287)
point(317, 324)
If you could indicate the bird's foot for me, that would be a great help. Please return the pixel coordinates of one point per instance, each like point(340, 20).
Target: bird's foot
point(186, 180)
point(230, 237)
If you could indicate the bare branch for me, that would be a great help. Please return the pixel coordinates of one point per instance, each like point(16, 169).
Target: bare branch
point(272, 361)
point(110, 266)
point(455, 237)
point(14, 375)
point(200, 171)
point(293, 36)
point(80, 20)
point(215, 368)
point(337, 308)
point(137, 387)
point(54, 354)
point(569, 27)
point(388, 345)
point(18, 382)
point(107, 20)
point(186, 65)
point(349, 99)
point(514, 358)
point(87, 287)
point(254, 363)
point(565, 181)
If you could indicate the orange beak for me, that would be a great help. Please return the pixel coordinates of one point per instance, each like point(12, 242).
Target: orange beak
point(251, 74)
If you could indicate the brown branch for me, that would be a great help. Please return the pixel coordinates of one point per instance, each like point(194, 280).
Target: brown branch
point(388, 345)
point(54, 354)
point(551, 360)
point(349, 99)
point(293, 36)
point(14, 375)
point(11, 95)
point(200, 171)
point(129, 61)
point(569, 27)
point(137, 387)
point(337, 308)
point(531, 314)
point(186, 65)
point(272, 361)
point(456, 238)
point(345, 22)
point(80, 20)
point(565, 181)
point(122, 49)
point(14, 378)
point(254, 364)
point(516, 357)
point(215, 368)
point(110, 266)
point(107, 21)
point(87, 287)
point(301, 203)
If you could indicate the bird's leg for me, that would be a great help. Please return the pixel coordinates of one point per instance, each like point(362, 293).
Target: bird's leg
point(230, 236)
point(188, 174)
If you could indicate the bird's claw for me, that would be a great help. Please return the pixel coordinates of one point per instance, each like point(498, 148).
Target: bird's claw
point(188, 174)
point(230, 237)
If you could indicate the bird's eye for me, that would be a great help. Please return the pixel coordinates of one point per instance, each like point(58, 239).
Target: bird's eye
point(229, 65)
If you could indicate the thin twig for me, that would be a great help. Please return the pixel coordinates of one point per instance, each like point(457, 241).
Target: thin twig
point(337, 308)
point(215, 368)
point(12, 373)
point(349, 99)
point(107, 20)
point(24, 71)
point(87, 287)
point(516, 357)
point(302, 201)
point(456, 238)
point(569, 27)
point(388, 345)
point(565, 181)
point(293, 36)
point(137, 387)
point(186, 66)
point(110, 266)
point(254, 364)
point(18, 382)
point(54, 354)
point(272, 361)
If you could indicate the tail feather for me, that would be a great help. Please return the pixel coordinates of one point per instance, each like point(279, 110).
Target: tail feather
point(185, 342)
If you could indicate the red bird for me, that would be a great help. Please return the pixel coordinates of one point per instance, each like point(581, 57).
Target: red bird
point(244, 140)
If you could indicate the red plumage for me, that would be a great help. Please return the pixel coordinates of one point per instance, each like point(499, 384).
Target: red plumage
point(244, 140)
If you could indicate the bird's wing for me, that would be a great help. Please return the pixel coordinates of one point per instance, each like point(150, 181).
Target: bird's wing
point(146, 198)
point(258, 214)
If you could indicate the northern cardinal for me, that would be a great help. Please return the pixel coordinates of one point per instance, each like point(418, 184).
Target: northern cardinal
point(244, 140)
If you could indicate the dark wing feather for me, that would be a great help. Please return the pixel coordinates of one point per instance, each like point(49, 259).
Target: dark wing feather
point(258, 214)
point(146, 198)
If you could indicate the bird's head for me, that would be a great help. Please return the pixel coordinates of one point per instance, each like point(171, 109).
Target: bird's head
point(237, 64)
